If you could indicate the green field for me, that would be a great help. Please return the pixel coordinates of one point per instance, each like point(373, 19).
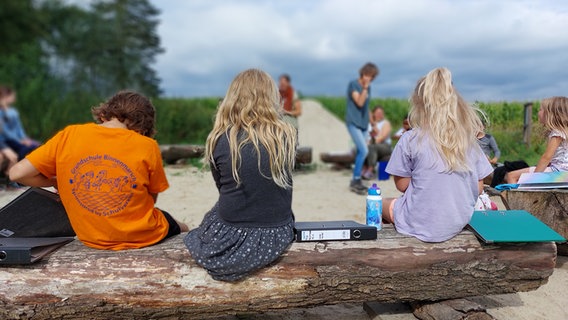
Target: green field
point(190, 120)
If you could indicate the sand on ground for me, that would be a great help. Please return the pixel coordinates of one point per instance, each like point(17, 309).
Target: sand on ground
point(323, 194)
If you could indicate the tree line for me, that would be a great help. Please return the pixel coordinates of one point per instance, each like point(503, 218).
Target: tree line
point(62, 58)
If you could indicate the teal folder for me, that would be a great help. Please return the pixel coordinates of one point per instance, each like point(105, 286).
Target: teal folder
point(511, 226)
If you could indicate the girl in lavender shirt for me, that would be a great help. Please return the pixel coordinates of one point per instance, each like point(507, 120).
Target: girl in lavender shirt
point(439, 165)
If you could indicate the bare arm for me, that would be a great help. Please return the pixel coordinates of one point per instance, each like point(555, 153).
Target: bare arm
point(401, 183)
point(553, 144)
point(480, 186)
point(384, 134)
point(360, 97)
point(297, 110)
point(25, 173)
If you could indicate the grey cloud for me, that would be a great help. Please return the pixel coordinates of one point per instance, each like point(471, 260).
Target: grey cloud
point(506, 50)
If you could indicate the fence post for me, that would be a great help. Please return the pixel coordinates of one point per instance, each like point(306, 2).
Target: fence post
point(527, 124)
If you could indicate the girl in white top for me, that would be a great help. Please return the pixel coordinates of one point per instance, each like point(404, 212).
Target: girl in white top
point(553, 115)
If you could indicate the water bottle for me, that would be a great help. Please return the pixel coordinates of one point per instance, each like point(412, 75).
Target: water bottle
point(374, 207)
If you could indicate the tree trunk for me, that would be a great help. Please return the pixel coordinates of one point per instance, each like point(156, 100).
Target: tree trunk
point(163, 281)
point(304, 155)
point(550, 206)
point(340, 158)
point(173, 153)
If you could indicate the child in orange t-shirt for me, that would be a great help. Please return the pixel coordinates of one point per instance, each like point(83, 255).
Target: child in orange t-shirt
point(108, 175)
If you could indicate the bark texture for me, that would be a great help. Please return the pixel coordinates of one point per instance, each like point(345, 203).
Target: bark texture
point(550, 206)
point(162, 281)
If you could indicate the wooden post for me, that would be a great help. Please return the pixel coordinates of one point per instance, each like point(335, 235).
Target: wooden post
point(163, 281)
point(527, 123)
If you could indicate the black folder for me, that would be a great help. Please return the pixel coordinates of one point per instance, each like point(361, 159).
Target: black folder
point(14, 251)
point(334, 230)
point(35, 213)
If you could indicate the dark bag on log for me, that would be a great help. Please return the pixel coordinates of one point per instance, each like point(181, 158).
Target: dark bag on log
point(500, 172)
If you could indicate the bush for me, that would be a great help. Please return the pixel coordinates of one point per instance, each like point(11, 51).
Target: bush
point(185, 120)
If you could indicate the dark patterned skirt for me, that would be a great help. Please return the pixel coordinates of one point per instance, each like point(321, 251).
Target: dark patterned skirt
point(231, 253)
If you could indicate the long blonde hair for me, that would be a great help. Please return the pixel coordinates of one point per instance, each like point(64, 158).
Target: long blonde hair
point(251, 113)
point(442, 114)
point(555, 114)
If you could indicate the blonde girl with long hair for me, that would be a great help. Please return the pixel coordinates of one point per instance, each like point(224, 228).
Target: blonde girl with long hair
point(438, 165)
point(251, 153)
point(553, 115)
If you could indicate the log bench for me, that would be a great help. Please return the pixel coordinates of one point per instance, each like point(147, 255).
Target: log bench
point(340, 159)
point(174, 153)
point(162, 281)
point(550, 206)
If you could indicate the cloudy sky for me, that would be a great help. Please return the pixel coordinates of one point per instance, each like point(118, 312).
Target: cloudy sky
point(497, 50)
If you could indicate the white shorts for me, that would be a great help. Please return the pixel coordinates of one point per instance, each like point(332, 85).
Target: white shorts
point(547, 169)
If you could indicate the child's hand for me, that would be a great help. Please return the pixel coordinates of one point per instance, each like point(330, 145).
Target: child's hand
point(26, 142)
point(10, 154)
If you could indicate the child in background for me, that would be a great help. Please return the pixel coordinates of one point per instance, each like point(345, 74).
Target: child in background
point(357, 120)
point(251, 151)
point(405, 127)
point(489, 146)
point(7, 155)
point(12, 128)
point(438, 165)
point(108, 175)
point(553, 115)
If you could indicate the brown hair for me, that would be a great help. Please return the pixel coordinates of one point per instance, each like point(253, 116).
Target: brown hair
point(369, 69)
point(377, 107)
point(5, 91)
point(131, 108)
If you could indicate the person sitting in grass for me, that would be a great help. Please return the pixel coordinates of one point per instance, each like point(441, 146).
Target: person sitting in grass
point(108, 175)
point(489, 146)
point(12, 128)
point(379, 141)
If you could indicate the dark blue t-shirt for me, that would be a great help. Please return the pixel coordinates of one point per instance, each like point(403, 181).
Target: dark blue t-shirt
point(354, 115)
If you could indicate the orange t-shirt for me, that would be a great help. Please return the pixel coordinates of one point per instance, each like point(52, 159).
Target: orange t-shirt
point(105, 178)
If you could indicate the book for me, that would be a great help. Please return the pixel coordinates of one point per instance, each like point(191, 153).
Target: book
point(544, 180)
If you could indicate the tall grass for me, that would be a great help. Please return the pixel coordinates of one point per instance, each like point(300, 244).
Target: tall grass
point(184, 120)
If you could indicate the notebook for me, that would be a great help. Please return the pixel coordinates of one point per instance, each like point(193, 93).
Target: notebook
point(15, 251)
point(544, 180)
point(511, 226)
